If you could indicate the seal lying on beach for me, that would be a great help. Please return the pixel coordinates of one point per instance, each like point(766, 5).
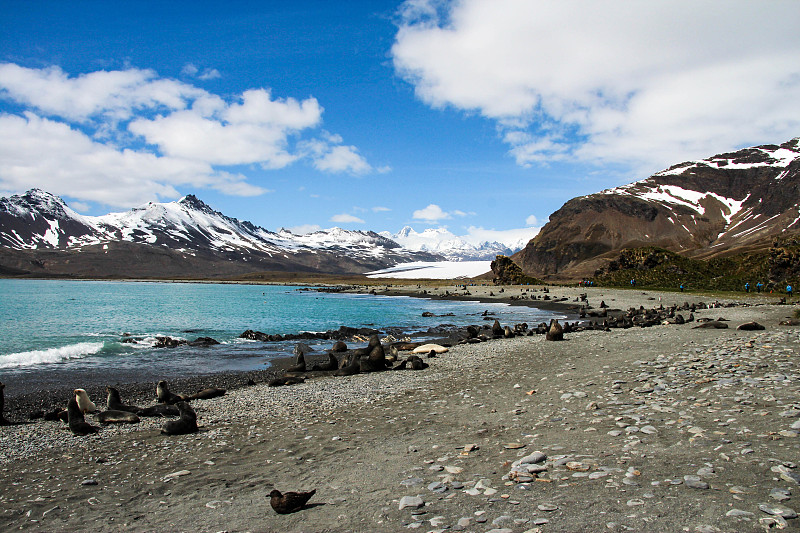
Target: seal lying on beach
point(353, 368)
point(332, 364)
point(290, 501)
point(286, 380)
point(77, 424)
point(206, 394)
point(160, 409)
point(84, 403)
point(114, 403)
point(117, 417)
point(165, 396)
point(187, 423)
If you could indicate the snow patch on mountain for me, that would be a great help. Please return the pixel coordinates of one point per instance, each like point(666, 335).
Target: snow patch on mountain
point(442, 241)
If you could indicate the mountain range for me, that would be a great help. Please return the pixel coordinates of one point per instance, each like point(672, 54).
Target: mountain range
point(725, 204)
point(40, 234)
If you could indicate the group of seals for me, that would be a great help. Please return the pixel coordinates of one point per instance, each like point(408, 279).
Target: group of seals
point(164, 395)
point(77, 423)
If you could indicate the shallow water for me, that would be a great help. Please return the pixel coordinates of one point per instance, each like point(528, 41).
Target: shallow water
point(47, 325)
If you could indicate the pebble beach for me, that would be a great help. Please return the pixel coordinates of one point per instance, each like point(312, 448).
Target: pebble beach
point(663, 428)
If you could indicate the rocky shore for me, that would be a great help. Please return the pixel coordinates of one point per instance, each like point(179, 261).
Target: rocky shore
point(661, 428)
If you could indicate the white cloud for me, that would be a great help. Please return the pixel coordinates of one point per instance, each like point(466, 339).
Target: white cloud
point(191, 70)
point(82, 135)
point(345, 218)
point(210, 74)
point(646, 84)
point(432, 213)
point(532, 221)
point(380, 209)
point(36, 151)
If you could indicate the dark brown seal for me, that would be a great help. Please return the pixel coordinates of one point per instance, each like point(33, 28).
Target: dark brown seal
point(114, 402)
point(206, 394)
point(77, 424)
point(187, 423)
point(117, 417)
point(165, 396)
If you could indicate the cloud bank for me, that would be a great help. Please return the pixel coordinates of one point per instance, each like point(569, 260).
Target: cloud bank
point(121, 137)
point(644, 84)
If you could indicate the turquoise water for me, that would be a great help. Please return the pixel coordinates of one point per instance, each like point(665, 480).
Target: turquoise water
point(80, 325)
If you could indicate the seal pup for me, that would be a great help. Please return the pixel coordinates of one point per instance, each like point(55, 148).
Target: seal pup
point(290, 501)
point(86, 405)
point(117, 417)
point(299, 365)
point(339, 346)
point(165, 396)
point(332, 364)
point(114, 403)
point(77, 424)
point(416, 362)
point(206, 394)
point(187, 423)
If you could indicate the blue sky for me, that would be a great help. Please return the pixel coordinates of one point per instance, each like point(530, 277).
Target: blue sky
point(481, 116)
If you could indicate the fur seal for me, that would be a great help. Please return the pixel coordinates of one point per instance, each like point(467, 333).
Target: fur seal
point(332, 364)
point(187, 423)
point(59, 413)
point(160, 409)
point(286, 380)
point(339, 346)
point(206, 394)
point(84, 403)
point(417, 363)
point(426, 348)
point(117, 417)
point(290, 501)
point(497, 329)
point(300, 364)
point(165, 396)
point(353, 368)
point(114, 403)
point(751, 326)
point(77, 424)
point(714, 324)
point(555, 333)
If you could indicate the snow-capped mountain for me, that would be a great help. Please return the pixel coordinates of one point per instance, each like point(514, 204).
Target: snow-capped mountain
point(441, 241)
point(700, 208)
point(188, 228)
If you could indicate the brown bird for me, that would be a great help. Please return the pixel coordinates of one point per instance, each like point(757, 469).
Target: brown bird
point(289, 502)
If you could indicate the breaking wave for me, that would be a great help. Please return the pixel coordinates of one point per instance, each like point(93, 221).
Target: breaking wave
point(51, 355)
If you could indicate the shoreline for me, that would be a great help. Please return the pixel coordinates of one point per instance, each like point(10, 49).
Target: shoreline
point(34, 397)
point(664, 428)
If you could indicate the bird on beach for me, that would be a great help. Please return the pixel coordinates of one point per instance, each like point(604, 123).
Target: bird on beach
point(290, 501)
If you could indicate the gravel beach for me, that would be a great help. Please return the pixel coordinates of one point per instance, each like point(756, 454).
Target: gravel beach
point(663, 428)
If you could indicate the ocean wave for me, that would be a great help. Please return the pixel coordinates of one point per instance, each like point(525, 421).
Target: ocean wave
point(51, 355)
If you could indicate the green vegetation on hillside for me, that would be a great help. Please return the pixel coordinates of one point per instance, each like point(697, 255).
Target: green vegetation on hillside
point(659, 268)
point(507, 272)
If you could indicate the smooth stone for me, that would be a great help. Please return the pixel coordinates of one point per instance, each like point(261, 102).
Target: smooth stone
point(412, 481)
point(464, 522)
point(738, 513)
point(540, 521)
point(695, 482)
point(778, 510)
point(437, 486)
point(454, 469)
point(795, 425)
point(88, 482)
point(648, 430)
point(437, 521)
point(534, 458)
point(547, 507)
point(780, 494)
point(791, 477)
point(414, 502)
point(634, 503)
